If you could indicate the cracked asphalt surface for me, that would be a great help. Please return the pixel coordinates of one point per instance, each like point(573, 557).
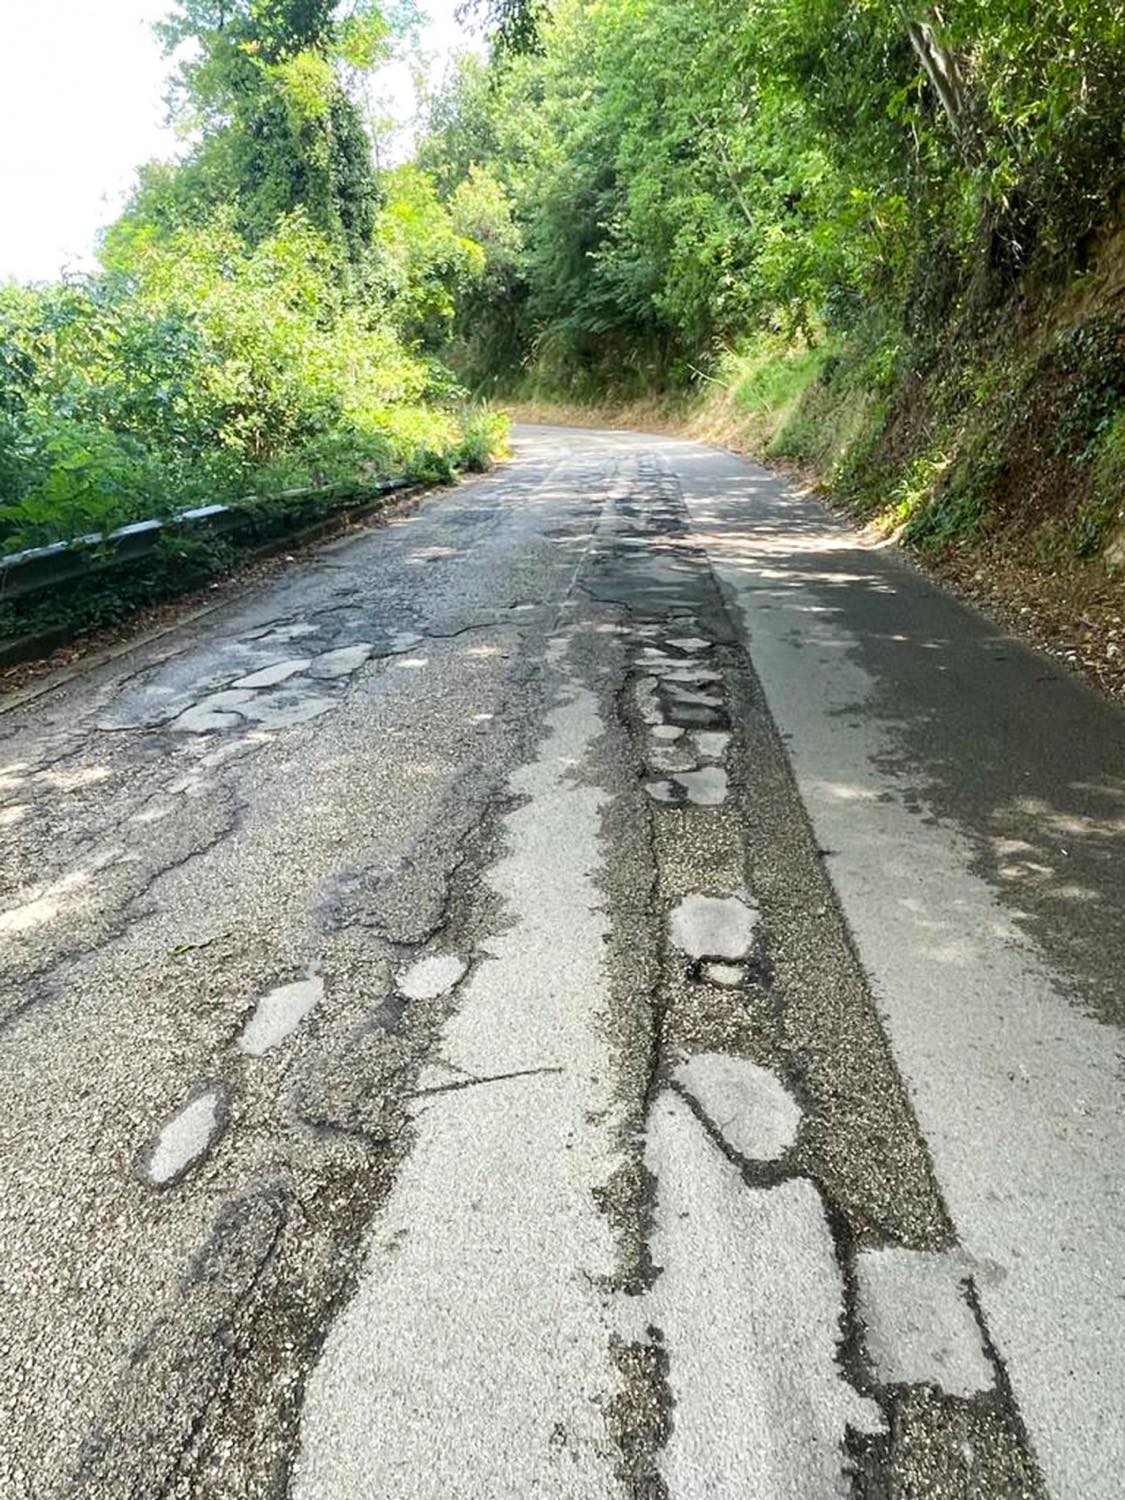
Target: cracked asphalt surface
point(600, 985)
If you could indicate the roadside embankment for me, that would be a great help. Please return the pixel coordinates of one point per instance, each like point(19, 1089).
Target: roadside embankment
point(995, 453)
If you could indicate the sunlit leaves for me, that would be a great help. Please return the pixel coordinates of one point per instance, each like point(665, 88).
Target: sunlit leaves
point(216, 367)
point(307, 83)
point(681, 170)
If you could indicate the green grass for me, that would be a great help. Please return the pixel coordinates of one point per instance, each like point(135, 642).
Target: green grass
point(771, 376)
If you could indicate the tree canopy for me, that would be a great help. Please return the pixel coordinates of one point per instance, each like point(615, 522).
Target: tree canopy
point(683, 170)
point(614, 197)
point(272, 306)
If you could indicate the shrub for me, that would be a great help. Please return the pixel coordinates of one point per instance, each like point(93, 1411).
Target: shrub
point(209, 371)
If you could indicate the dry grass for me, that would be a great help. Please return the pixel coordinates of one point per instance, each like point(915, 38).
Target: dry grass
point(650, 414)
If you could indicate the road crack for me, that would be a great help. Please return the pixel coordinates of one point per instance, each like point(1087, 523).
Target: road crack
point(475, 1082)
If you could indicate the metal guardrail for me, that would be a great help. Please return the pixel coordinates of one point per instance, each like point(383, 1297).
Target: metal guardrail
point(43, 567)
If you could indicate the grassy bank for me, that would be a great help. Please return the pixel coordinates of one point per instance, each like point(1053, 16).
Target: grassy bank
point(995, 454)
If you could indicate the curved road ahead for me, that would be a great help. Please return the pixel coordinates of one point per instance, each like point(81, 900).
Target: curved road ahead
point(603, 986)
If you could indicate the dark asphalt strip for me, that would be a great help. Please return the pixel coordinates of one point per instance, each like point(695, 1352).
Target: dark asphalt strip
point(804, 1011)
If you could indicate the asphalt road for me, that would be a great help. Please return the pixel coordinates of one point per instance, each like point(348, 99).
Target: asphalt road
point(601, 986)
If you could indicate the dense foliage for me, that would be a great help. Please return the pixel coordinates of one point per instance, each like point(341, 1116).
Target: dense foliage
point(828, 201)
point(264, 89)
point(684, 171)
point(270, 307)
point(869, 209)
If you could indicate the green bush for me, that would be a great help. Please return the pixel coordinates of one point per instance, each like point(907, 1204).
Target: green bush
point(213, 370)
point(484, 437)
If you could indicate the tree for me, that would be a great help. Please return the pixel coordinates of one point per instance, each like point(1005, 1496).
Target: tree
point(265, 89)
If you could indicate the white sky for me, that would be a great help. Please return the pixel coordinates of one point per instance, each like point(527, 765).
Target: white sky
point(81, 106)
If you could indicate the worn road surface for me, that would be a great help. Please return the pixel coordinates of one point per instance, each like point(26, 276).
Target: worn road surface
point(602, 986)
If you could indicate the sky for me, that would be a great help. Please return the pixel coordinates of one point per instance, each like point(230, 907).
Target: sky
point(82, 105)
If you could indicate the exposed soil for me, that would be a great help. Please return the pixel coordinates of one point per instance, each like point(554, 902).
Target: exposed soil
point(1076, 615)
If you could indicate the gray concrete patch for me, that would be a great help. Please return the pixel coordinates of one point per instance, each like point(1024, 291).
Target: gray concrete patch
point(282, 633)
point(711, 743)
point(432, 976)
point(403, 640)
point(749, 1297)
point(187, 1136)
point(671, 757)
point(216, 711)
point(713, 926)
point(280, 671)
point(919, 1327)
point(342, 661)
point(688, 673)
point(284, 710)
point(652, 660)
point(751, 1108)
point(644, 695)
point(279, 1013)
point(706, 787)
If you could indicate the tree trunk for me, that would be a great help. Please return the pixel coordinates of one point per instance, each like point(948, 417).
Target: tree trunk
point(943, 69)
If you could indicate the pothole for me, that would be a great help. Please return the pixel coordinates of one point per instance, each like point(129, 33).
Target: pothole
point(706, 787)
point(711, 743)
point(431, 977)
point(919, 1328)
point(279, 1013)
point(342, 661)
point(750, 1107)
point(279, 671)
